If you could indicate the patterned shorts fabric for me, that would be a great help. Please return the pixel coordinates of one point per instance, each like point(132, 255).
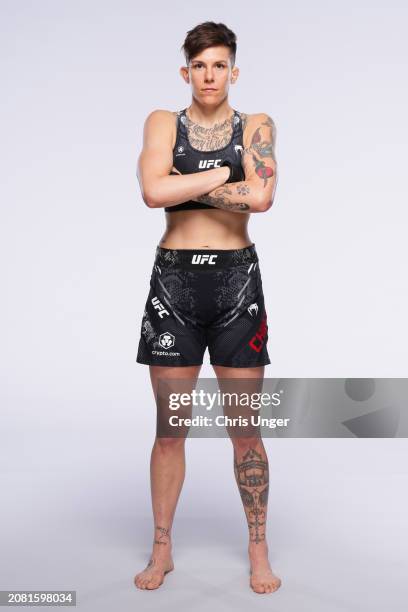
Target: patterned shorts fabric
point(201, 298)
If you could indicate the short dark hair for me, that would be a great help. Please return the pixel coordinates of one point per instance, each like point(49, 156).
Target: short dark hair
point(209, 34)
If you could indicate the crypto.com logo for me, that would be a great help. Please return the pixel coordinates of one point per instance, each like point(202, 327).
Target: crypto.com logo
point(166, 340)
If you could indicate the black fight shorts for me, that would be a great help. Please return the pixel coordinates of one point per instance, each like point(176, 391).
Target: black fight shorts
point(201, 298)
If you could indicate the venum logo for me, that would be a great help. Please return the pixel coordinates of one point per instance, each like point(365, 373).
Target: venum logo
point(256, 342)
point(238, 149)
point(253, 309)
point(209, 163)
point(166, 340)
point(201, 259)
point(159, 307)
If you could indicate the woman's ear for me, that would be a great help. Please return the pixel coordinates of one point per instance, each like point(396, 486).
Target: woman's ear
point(184, 74)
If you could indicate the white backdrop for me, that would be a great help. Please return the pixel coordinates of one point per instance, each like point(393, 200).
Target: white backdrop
point(77, 245)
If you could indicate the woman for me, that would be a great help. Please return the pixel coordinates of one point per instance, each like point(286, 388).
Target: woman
point(209, 167)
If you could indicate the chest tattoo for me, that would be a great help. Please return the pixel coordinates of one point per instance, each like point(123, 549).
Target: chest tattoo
point(209, 139)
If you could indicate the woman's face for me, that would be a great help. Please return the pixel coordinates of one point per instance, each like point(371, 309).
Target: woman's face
point(209, 74)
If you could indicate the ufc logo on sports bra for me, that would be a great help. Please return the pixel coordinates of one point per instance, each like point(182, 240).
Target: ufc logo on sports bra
point(200, 259)
point(209, 163)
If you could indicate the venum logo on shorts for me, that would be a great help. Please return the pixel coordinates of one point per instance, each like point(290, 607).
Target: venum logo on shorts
point(256, 342)
point(209, 163)
point(201, 259)
point(159, 307)
point(238, 149)
point(253, 309)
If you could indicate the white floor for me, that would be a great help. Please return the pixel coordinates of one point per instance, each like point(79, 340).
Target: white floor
point(76, 515)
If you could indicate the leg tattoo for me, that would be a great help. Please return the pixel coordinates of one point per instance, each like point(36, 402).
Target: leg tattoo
point(252, 477)
point(164, 536)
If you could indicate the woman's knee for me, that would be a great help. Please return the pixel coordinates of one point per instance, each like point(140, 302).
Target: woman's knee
point(169, 445)
point(242, 444)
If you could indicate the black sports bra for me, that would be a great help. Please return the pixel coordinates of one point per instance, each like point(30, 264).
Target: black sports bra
point(188, 160)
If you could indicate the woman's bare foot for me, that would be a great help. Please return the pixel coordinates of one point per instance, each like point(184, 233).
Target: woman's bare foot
point(152, 577)
point(160, 564)
point(262, 580)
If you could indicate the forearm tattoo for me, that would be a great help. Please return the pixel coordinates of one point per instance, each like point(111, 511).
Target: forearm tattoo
point(220, 198)
point(252, 476)
point(163, 536)
point(243, 189)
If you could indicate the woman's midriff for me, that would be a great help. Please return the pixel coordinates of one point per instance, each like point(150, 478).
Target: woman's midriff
point(202, 229)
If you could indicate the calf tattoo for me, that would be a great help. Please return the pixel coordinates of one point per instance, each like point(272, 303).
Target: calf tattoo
point(163, 537)
point(252, 475)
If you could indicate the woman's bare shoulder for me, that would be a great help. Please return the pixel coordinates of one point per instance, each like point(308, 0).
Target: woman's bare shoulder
point(255, 126)
point(163, 121)
point(160, 115)
point(256, 118)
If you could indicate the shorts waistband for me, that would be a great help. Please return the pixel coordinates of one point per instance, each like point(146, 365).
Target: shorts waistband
point(202, 259)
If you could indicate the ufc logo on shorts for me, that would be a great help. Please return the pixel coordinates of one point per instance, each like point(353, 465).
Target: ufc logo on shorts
point(159, 307)
point(201, 259)
point(209, 163)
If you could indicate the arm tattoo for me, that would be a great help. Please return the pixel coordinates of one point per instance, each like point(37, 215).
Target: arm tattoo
point(261, 170)
point(219, 199)
point(252, 476)
point(243, 189)
point(244, 120)
point(262, 146)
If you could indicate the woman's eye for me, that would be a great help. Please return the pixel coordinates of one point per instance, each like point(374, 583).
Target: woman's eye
point(217, 65)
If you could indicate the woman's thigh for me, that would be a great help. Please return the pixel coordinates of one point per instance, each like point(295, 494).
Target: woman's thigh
point(168, 383)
